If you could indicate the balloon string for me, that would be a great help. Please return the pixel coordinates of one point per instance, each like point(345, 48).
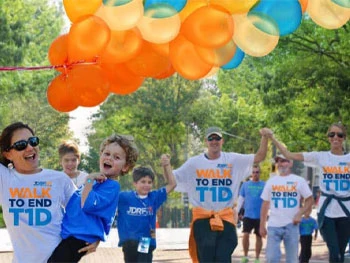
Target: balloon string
point(65, 66)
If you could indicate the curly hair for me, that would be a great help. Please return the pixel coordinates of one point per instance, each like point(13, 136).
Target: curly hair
point(127, 145)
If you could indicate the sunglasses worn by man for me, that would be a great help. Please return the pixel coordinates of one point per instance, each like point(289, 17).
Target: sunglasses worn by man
point(214, 138)
point(339, 134)
point(22, 144)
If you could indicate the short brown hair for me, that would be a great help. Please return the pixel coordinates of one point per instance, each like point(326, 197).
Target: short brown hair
point(127, 143)
point(68, 146)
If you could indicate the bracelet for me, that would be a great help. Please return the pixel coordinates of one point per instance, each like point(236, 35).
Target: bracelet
point(89, 181)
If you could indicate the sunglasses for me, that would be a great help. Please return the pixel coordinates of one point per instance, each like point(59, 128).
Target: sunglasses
point(254, 172)
point(22, 144)
point(214, 138)
point(339, 134)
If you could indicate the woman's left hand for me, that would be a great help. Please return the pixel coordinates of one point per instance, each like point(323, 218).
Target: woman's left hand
point(90, 247)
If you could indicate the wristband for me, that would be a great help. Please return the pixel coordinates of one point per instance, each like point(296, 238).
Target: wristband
point(89, 181)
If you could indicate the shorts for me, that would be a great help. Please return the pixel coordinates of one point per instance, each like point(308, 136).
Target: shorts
point(249, 224)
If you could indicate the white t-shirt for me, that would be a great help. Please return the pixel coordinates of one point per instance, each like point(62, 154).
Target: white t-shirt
point(80, 179)
point(32, 206)
point(213, 184)
point(334, 179)
point(284, 194)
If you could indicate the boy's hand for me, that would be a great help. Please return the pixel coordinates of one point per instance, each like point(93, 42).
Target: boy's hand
point(165, 160)
point(98, 177)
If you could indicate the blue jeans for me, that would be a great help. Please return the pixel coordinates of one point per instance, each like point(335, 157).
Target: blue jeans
point(290, 236)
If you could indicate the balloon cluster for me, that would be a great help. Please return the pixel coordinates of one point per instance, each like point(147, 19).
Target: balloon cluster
point(113, 45)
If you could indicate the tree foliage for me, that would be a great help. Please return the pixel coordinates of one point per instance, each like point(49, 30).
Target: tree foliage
point(27, 30)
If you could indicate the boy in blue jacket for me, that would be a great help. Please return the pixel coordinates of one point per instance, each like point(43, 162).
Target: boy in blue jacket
point(91, 209)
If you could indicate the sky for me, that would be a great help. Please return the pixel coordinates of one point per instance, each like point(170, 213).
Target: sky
point(79, 124)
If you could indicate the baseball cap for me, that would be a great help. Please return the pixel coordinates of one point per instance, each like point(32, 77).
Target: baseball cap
point(280, 156)
point(213, 130)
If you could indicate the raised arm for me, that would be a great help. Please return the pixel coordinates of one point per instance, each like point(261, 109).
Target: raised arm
point(289, 155)
point(168, 173)
point(261, 153)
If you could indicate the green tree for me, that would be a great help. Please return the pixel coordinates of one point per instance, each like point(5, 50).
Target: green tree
point(27, 30)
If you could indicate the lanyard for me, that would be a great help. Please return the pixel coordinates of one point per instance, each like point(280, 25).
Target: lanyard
point(152, 231)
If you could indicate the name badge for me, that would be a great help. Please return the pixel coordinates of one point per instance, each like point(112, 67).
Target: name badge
point(144, 244)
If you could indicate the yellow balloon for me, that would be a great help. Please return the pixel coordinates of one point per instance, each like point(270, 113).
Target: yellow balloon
point(191, 6)
point(159, 30)
point(122, 17)
point(252, 40)
point(327, 14)
point(235, 6)
point(79, 8)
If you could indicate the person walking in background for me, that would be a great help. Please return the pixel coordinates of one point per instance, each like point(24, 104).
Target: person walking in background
point(69, 154)
point(137, 212)
point(282, 194)
point(249, 198)
point(212, 181)
point(31, 197)
point(307, 226)
point(91, 209)
point(334, 203)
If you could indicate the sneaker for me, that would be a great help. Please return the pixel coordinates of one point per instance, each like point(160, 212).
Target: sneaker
point(257, 260)
point(244, 260)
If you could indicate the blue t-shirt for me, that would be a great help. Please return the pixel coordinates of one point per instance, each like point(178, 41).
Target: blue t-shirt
point(251, 191)
point(307, 226)
point(137, 216)
point(93, 221)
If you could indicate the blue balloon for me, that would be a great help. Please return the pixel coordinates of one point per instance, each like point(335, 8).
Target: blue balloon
point(178, 5)
point(286, 13)
point(236, 60)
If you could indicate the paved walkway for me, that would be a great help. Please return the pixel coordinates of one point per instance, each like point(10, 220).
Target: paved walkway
point(172, 247)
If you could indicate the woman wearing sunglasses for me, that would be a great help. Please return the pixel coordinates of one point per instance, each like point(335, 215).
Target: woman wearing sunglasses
point(32, 198)
point(334, 202)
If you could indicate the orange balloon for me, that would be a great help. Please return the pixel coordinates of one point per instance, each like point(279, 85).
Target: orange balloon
point(88, 85)
point(186, 60)
point(251, 39)
point(148, 63)
point(327, 14)
point(209, 27)
point(76, 9)
point(58, 53)
point(303, 4)
point(219, 56)
point(122, 46)
point(58, 95)
point(159, 30)
point(235, 6)
point(161, 49)
point(166, 74)
point(122, 80)
point(190, 7)
point(121, 17)
point(87, 39)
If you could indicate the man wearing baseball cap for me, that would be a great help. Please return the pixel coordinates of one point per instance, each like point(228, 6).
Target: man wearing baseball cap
point(212, 181)
point(282, 194)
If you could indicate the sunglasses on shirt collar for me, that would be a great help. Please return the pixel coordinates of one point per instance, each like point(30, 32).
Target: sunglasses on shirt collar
point(22, 144)
point(339, 134)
